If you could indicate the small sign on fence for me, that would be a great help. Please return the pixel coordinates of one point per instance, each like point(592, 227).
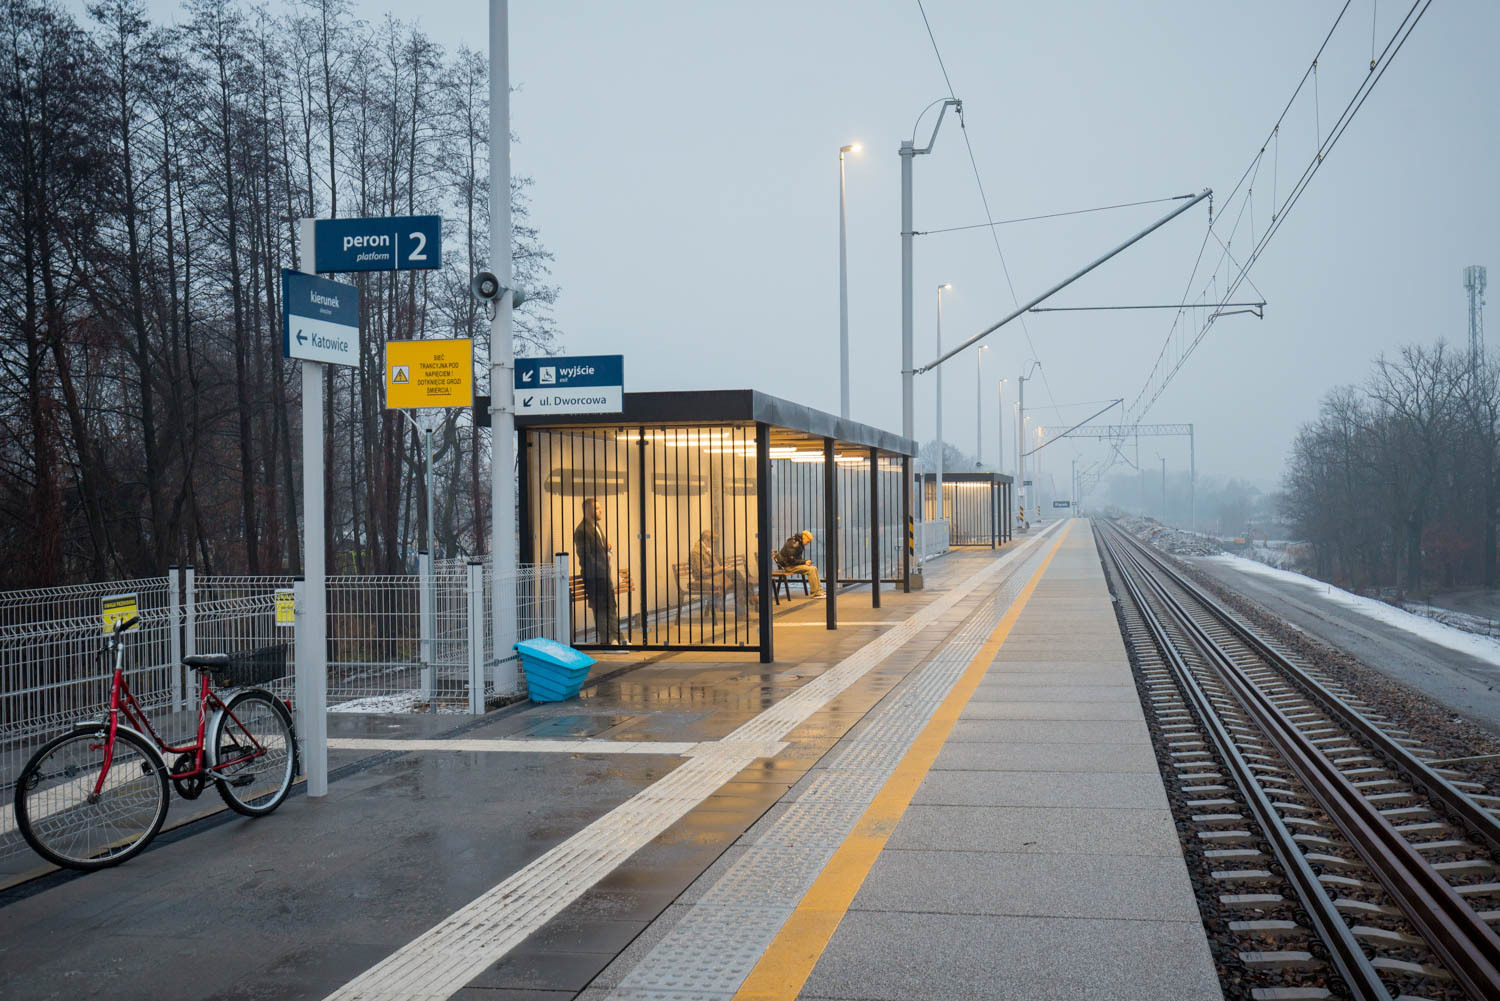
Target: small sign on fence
point(115, 608)
point(286, 608)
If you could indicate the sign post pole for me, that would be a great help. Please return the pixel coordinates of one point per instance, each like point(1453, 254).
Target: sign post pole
point(312, 617)
point(502, 361)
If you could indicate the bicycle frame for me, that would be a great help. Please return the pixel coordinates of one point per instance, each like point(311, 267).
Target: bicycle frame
point(123, 702)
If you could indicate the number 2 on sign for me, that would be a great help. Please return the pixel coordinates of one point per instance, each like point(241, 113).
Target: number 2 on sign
point(419, 253)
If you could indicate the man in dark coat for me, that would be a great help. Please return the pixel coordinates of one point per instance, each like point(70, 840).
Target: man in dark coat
point(592, 550)
point(789, 557)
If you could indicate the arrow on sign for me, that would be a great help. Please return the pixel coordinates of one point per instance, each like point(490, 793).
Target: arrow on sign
point(526, 402)
point(526, 376)
point(301, 337)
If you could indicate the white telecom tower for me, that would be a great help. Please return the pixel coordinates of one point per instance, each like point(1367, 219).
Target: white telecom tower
point(1474, 282)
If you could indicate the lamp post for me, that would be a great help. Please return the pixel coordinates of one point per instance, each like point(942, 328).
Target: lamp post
point(946, 286)
point(843, 291)
point(909, 152)
point(979, 407)
point(1000, 429)
point(1021, 428)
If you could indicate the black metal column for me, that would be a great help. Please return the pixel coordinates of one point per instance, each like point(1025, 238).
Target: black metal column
point(523, 497)
point(764, 542)
point(831, 532)
point(906, 522)
point(874, 528)
point(994, 515)
point(643, 573)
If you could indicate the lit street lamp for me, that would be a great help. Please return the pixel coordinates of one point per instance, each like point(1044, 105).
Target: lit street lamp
point(843, 291)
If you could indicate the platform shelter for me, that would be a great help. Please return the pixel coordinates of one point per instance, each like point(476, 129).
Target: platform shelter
point(670, 512)
point(978, 506)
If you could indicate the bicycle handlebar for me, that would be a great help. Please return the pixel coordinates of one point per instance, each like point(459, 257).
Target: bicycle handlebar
point(127, 624)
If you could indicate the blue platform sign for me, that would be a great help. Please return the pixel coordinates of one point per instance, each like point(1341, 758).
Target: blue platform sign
point(319, 319)
point(1062, 503)
point(583, 384)
point(391, 243)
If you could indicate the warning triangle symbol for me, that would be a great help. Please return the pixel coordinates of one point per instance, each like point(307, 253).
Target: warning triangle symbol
point(401, 375)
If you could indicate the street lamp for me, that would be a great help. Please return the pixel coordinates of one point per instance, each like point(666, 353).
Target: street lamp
point(1000, 428)
point(979, 408)
point(843, 291)
point(1021, 432)
point(948, 287)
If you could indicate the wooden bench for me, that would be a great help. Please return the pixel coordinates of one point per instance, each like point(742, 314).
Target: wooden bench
point(699, 590)
point(624, 586)
point(782, 579)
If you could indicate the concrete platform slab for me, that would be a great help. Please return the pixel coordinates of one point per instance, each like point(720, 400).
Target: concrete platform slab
point(1038, 830)
point(1015, 958)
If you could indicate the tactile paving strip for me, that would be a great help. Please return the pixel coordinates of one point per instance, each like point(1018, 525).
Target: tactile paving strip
point(439, 962)
point(712, 949)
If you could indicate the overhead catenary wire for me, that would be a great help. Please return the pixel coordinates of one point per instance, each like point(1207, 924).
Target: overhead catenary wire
point(1164, 371)
point(983, 198)
point(1048, 215)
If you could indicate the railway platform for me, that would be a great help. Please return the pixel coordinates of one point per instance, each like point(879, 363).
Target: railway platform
point(951, 796)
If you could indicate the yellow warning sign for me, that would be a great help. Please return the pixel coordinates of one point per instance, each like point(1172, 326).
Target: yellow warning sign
point(429, 374)
point(118, 608)
point(286, 607)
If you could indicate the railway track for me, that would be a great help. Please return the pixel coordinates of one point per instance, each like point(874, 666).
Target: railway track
point(1343, 861)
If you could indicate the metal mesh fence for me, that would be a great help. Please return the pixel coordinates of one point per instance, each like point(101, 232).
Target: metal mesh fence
point(380, 657)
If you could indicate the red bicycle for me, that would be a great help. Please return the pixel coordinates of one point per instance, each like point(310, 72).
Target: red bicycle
point(97, 795)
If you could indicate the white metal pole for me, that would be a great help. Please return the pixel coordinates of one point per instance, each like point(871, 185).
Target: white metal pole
point(502, 361)
point(312, 616)
point(908, 428)
point(1000, 430)
point(174, 625)
point(1021, 495)
point(563, 600)
point(474, 607)
point(425, 622)
point(979, 405)
point(843, 300)
point(941, 507)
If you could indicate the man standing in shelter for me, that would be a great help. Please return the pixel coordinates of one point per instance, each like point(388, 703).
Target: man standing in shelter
point(593, 549)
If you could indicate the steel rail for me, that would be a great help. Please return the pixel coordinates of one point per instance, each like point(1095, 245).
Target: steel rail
point(1345, 952)
point(1465, 943)
point(1479, 821)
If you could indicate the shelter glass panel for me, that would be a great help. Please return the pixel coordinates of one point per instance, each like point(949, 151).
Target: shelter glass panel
point(660, 525)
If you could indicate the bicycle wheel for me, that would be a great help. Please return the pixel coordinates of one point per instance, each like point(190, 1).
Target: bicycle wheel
point(255, 752)
point(67, 824)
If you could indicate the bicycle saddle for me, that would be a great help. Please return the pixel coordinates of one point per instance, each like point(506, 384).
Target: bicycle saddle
point(206, 659)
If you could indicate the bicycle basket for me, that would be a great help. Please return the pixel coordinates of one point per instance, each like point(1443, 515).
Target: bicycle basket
point(252, 667)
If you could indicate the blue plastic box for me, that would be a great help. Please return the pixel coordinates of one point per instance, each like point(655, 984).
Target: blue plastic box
point(554, 671)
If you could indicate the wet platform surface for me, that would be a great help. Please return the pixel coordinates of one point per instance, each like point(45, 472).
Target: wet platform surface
point(1033, 857)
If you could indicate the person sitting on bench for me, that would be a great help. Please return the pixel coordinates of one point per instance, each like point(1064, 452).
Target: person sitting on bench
point(710, 572)
point(789, 558)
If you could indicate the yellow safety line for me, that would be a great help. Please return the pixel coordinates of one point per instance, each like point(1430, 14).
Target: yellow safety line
point(791, 956)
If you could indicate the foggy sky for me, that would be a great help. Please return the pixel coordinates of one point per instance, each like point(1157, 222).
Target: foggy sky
point(685, 158)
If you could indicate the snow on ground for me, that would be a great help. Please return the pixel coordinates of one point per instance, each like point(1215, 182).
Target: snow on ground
point(401, 702)
point(1481, 647)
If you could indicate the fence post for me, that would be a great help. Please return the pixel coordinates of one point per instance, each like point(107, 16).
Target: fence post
point(475, 594)
point(424, 628)
point(190, 632)
point(174, 633)
point(562, 601)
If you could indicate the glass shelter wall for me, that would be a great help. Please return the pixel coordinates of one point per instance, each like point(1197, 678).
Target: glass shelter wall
point(660, 525)
point(977, 510)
